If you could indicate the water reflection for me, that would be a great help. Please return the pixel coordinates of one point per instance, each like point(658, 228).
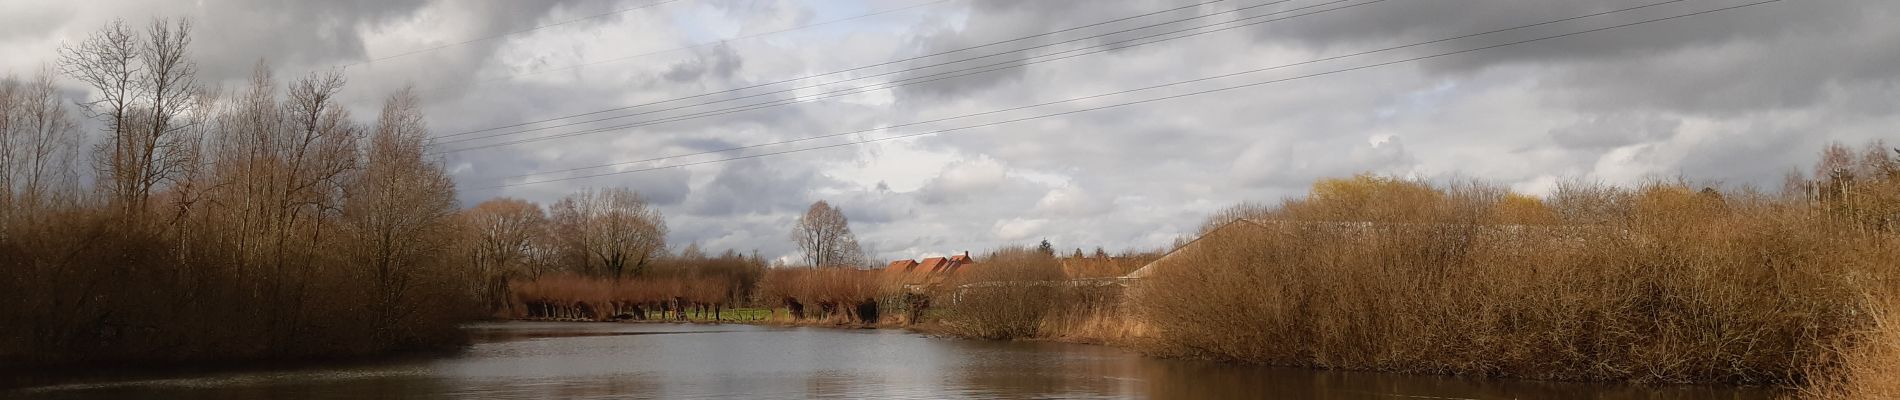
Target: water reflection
point(582, 360)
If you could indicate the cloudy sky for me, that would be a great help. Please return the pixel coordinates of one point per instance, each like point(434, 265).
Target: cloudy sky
point(1738, 96)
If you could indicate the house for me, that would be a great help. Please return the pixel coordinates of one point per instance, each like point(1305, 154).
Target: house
point(901, 266)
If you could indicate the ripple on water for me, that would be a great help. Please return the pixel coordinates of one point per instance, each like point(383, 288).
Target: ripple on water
point(678, 361)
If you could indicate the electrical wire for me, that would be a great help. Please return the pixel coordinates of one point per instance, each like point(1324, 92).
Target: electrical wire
point(1195, 93)
point(1119, 45)
point(871, 66)
point(1119, 92)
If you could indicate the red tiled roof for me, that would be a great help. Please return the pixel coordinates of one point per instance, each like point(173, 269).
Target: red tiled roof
point(901, 266)
point(902, 271)
point(934, 264)
point(931, 271)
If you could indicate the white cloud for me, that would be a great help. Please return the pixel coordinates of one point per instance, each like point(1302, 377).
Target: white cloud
point(1072, 201)
point(1019, 229)
point(1734, 96)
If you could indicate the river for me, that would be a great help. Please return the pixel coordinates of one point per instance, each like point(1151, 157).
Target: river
point(669, 361)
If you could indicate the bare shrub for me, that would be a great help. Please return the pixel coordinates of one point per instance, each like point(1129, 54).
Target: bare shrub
point(1006, 296)
point(695, 284)
point(1663, 282)
point(839, 295)
point(240, 226)
point(1868, 365)
point(1104, 266)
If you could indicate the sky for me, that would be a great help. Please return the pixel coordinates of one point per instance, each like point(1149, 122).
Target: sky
point(1736, 97)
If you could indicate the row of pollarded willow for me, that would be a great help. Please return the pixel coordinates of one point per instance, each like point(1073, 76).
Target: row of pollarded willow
point(258, 223)
point(569, 296)
point(1663, 282)
point(837, 294)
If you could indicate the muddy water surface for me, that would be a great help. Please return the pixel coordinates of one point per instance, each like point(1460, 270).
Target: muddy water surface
point(606, 360)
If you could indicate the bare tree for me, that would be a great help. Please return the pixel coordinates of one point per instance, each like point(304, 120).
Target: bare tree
point(824, 235)
point(400, 211)
point(108, 61)
point(171, 90)
point(10, 100)
point(278, 176)
point(611, 233)
point(38, 145)
point(295, 231)
point(145, 84)
point(504, 232)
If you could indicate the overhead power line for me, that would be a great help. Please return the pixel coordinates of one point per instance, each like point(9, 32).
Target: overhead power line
point(1118, 92)
point(953, 51)
point(1170, 97)
point(1124, 44)
point(500, 35)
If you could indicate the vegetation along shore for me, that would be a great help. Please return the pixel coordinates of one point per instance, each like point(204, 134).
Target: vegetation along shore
point(266, 222)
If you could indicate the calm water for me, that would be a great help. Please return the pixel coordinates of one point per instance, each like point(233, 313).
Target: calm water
point(600, 360)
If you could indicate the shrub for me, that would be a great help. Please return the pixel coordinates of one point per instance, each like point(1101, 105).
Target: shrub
point(1006, 296)
point(836, 294)
point(1663, 282)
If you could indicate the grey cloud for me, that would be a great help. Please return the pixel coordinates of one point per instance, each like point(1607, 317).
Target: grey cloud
point(751, 187)
point(1738, 96)
point(995, 21)
point(1787, 72)
point(32, 20)
point(964, 180)
point(876, 207)
point(1274, 163)
point(1690, 64)
point(1616, 130)
point(786, 10)
point(719, 62)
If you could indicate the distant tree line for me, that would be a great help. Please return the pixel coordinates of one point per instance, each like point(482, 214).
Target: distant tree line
point(590, 250)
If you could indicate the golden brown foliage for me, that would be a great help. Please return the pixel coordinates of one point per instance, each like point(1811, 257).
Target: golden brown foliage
point(572, 296)
point(609, 233)
point(1104, 266)
point(1006, 296)
point(1869, 365)
point(247, 226)
point(1663, 282)
point(828, 294)
point(503, 245)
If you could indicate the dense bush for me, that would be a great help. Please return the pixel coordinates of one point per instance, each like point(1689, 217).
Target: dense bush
point(1664, 282)
point(249, 254)
point(835, 294)
point(263, 223)
point(1006, 296)
point(578, 297)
